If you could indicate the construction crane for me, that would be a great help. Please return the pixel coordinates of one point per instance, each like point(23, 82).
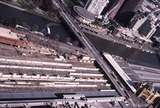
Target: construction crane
point(147, 93)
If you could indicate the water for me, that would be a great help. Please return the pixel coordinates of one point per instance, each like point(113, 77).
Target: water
point(10, 16)
point(132, 55)
point(61, 32)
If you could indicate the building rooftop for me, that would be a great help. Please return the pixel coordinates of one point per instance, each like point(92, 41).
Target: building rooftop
point(82, 12)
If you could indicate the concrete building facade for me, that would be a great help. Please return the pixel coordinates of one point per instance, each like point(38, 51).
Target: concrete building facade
point(96, 6)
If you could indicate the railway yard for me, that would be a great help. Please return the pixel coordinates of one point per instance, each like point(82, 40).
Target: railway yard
point(39, 64)
point(38, 70)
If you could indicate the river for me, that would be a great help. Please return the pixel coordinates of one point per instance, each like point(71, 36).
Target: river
point(130, 54)
point(62, 33)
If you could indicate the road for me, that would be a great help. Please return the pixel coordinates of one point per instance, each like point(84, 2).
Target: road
point(91, 49)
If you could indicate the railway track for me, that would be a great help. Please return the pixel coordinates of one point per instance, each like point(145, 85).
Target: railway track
point(28, 83)
point(21, 73)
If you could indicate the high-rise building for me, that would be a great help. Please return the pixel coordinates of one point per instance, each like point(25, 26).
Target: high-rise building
point(137, 22)
point(114, 8)
point(96, 6)
point(149, 27)
point(127, 11)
